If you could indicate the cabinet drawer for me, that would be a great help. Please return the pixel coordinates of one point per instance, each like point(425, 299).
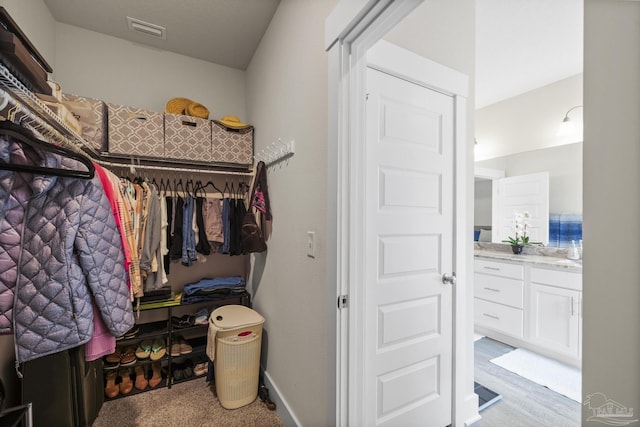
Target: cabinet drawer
point(498, 317)
point(499, 289)
point(503, 269)
point(563, 279)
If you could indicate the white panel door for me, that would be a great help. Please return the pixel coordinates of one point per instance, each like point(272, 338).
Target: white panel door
point(409, 246)
point(522, 193)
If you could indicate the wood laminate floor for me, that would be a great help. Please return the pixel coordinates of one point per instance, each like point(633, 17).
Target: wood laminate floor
point(524, 403)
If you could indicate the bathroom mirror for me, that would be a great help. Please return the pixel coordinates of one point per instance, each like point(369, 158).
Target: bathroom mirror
point(564, 165)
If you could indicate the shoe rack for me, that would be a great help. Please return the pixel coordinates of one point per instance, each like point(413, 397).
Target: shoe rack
point(160, 353)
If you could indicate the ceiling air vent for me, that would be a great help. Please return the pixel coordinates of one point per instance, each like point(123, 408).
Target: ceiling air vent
point(146, 28)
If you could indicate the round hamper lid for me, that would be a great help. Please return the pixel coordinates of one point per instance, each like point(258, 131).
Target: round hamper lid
point(234, 316)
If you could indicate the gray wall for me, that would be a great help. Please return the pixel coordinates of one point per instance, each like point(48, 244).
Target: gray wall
point(611, 275)
point(287, 99)
point(529, 121)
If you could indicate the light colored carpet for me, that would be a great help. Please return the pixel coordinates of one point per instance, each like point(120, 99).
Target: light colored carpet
point(191, 403)
point(550, 373)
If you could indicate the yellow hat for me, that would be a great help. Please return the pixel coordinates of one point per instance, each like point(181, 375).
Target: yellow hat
point(187, 107)
point(177, 105)
point(197, 110)
point(232, 122)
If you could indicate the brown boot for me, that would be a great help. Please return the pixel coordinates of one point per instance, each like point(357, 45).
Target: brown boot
point(126, 385)
point(156, 378)
point(141, 378)
point(111, 390)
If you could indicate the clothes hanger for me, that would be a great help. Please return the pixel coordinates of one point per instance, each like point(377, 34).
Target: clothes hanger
point(189, 188)
point(179, 187)
point(22, 135)
point(210, 183)
point(226, 189)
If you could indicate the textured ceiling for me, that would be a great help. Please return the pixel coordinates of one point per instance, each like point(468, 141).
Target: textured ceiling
point(225, 32)
point(522, 45)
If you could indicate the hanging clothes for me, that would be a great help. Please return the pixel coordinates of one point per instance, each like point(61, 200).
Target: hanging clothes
point(70, 253)
point(131, 211)
point(151, 251)
point(212, 215)
point(240, 211)
point(189, 240)
point(175, 250)
point(169, 204)
point(226, 226)
point(203, 245)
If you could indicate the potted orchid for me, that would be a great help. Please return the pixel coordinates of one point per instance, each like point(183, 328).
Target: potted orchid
point(520, 225)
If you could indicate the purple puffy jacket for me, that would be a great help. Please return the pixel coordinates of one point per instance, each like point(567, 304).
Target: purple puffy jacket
point(59, 247)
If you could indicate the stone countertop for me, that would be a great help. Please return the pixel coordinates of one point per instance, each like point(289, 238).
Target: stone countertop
point(541, 260)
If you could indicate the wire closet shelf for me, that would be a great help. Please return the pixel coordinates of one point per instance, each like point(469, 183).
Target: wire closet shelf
point(18, 104)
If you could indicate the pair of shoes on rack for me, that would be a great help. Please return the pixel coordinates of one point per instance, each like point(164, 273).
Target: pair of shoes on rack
point(122, 356)
point(156, 377)
point(182, 371)
point(131, 333)
point(202, 316)
point(201, 369)
point(180, 346)
point(113, 387)
point(185, 321)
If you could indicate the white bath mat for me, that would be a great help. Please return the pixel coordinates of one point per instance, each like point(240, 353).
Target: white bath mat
point(550, 373)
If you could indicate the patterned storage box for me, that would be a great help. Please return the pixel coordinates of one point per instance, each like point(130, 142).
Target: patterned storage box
point(187, 138)
point(92, 114)
point(135, 131)
point(232, 145)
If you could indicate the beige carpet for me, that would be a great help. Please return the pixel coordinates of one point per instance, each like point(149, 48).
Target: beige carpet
point(190, 403)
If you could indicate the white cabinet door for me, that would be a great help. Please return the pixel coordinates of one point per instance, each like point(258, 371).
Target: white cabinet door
point(555, 319)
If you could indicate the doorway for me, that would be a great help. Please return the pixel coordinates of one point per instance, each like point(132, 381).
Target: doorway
point(517, 132)
point(350, 58)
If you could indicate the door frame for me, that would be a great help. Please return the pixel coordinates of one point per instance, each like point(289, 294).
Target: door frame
point(351, 30)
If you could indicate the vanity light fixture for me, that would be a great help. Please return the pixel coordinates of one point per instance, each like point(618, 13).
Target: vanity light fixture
point(567, 127)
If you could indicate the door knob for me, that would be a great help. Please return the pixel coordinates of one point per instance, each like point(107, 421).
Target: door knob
point(449, 278)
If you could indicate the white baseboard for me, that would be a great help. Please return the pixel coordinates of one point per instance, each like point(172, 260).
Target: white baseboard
point(282, 408)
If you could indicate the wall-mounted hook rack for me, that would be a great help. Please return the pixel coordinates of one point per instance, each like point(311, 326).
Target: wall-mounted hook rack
point(276, 152)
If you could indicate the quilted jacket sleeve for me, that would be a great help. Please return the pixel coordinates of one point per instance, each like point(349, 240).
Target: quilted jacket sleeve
point(102, 260)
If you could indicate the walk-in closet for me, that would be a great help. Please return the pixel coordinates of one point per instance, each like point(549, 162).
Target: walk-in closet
point(128, 236)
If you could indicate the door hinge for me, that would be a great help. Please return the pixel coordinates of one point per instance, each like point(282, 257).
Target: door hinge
point(366, 97)
point(343, 301)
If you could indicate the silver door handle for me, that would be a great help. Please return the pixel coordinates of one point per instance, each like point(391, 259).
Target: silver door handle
point(449, 278)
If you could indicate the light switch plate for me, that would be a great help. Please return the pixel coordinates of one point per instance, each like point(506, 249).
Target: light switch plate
point(311, 244)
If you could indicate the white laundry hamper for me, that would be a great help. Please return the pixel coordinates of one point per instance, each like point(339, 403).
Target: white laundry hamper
point(233, 343)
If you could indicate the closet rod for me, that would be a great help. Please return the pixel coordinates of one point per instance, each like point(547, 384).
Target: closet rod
point(172, 169)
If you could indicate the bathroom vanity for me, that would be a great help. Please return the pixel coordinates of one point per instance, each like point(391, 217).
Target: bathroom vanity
point(530, 301)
